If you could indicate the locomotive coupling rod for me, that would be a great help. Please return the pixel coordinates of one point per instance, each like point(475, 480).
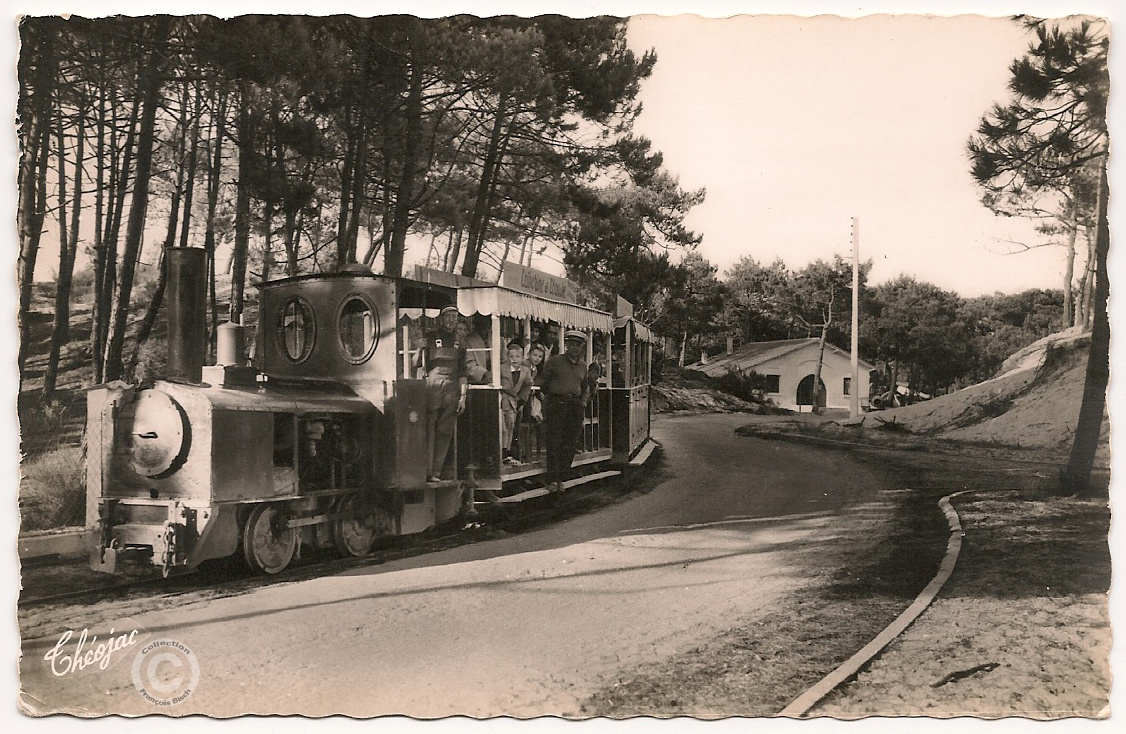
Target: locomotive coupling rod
point(297, 522)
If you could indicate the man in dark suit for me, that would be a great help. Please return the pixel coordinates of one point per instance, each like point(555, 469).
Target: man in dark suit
point(561, 381)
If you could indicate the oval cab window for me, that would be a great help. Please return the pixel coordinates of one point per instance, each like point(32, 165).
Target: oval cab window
point(296, 329)
point(358, 328)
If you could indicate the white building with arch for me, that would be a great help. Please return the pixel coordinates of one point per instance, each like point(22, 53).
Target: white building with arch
point(789, 366)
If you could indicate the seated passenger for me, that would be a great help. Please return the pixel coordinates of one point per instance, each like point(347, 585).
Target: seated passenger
point(536, 356)
point(533, 408)
point(590, 382)
point(476, 354)
point(617, 373)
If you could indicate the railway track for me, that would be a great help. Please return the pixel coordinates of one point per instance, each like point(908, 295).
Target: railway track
point(228, 578)
point(239, 579)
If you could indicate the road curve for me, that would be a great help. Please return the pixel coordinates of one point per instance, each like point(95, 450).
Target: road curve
point(525, 625)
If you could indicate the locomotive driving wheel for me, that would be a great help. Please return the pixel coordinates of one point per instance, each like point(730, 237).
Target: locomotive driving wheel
point(361, 523)
point(267, 543)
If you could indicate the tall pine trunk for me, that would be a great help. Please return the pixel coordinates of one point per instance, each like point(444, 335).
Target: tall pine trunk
point(393, 256)
point(98, 266)
point(1076, 478)
point(193, 164)
point(479, 221)
point(245, 130)
point(152, 309)
point(34, 108)
point(272, 149)
point(454, 251)
point(346, 171)
point(1069, 269)
point(1083, 310)
point(290, 242)
point(150, 90)
point(817, 393)
point(68, 247)
point(356, 166)
point(215, 170)
point(106, 289)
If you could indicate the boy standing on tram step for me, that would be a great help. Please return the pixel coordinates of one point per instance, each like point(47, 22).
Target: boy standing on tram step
point(516, 386)
point(446, 386)
point(561, 381)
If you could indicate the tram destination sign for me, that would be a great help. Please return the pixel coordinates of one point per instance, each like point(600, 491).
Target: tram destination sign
point(537, 283)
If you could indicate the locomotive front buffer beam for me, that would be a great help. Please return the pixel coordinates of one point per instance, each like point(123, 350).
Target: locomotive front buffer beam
point(174, 536)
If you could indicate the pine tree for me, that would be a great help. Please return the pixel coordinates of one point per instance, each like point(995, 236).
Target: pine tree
point(1052, 129)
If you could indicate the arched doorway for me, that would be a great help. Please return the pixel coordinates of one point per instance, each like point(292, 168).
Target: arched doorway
point(805, 392)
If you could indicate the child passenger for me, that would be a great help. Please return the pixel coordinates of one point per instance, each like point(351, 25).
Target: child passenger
point(516, 385)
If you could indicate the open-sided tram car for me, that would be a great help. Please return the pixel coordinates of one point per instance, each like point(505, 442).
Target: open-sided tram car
point(616, 423)
point(323, 441)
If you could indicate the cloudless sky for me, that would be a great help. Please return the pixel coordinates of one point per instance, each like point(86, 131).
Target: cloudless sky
point(794, 125)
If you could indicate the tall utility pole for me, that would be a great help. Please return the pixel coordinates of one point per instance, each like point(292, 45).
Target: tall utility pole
point(854, 393)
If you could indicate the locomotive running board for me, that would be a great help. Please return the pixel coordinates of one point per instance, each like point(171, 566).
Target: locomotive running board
point(541, 491)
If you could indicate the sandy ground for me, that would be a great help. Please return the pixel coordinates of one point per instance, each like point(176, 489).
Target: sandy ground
point(1033, 403)
point(521, 635)
point(1047, 660)
point(525, 625)
point(1022, 629)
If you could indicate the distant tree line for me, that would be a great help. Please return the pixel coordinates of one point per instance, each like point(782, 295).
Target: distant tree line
point(933, 340)
point(302, 143)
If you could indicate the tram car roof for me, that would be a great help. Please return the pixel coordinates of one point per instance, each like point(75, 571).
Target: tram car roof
point(479, 297)
point(495, 299)
point(640, 330)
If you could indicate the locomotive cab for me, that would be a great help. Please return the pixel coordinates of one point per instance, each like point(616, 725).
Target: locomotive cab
point(358, 329)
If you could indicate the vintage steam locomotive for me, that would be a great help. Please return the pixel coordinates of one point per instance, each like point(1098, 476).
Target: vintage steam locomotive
point(323, 441)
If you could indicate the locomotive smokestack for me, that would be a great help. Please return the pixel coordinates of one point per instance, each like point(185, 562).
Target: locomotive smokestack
point(187, 312)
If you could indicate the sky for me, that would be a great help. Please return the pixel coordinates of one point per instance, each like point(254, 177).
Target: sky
point(796, 125)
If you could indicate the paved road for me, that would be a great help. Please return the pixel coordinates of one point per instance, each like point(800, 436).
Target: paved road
point(526, 625)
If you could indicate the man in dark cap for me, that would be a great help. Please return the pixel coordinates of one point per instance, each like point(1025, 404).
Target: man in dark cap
point(446, 385)
point(561, 381)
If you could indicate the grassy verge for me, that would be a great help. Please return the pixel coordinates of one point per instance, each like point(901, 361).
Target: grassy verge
point(53, 490)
